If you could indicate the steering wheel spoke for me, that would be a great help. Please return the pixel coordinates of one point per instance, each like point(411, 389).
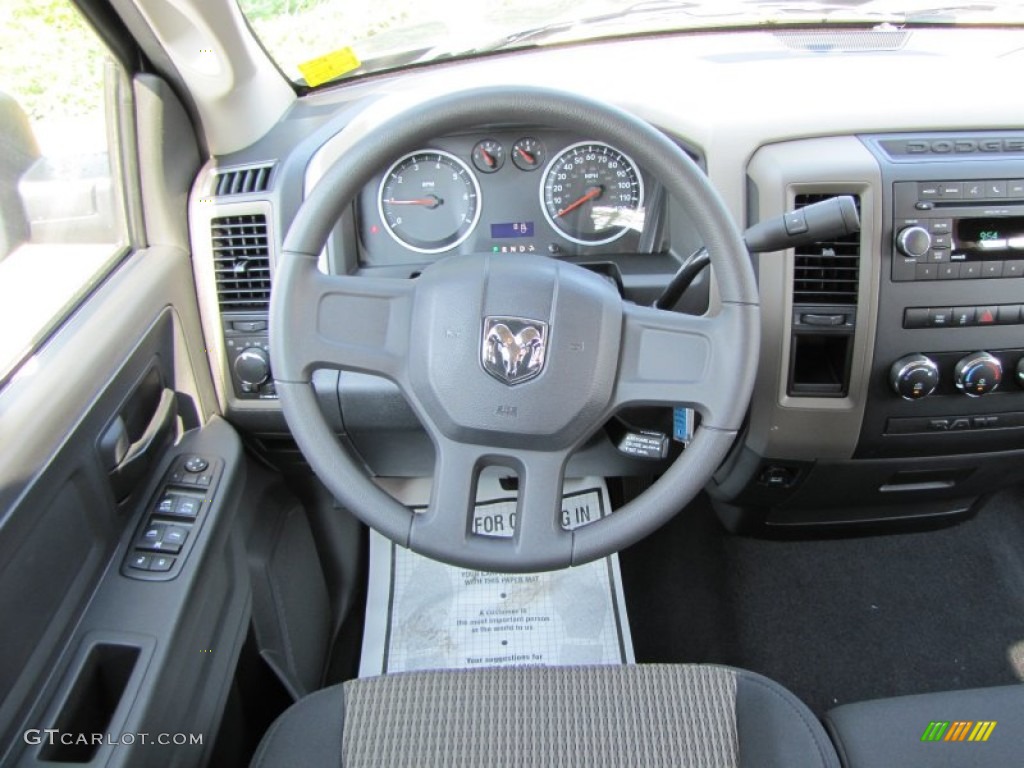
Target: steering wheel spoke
point(447, 519)
point(670, 358)
point(348, 322)
point(535, 530)
point(539, 521)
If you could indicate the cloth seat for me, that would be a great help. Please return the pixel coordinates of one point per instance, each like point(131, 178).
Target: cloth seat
point(642, 715)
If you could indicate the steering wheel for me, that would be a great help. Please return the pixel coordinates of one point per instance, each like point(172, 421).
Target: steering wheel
point(589, 353)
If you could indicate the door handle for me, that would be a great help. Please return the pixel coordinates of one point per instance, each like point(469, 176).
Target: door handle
point(136, 458)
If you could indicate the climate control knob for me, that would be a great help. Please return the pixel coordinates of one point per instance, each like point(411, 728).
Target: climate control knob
point(252, 367)
point(914, 376)
point(978, 374)
point(914, 241)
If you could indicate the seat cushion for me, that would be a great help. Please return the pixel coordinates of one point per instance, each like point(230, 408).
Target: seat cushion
point(651, 715)
point(977, 727)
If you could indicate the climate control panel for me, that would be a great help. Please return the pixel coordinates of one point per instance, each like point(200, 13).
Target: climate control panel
point(973, 374)
point(914, 376)
point(978, 374)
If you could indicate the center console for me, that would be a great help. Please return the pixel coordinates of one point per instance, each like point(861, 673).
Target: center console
point(927, 410)
point(948, 377)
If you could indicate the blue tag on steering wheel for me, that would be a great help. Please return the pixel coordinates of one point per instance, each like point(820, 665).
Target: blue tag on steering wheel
point(682, 424)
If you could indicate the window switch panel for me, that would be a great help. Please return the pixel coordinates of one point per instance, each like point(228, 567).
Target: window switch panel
point(161, 563)
point(173, 518)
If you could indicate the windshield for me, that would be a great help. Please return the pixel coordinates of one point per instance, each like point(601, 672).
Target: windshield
point(318, 41)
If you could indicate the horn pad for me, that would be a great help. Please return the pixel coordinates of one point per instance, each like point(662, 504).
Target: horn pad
point(514, 349)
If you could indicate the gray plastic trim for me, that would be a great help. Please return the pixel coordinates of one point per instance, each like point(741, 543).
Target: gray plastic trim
point(812, 427)
point(168, 160)
point(238, 91)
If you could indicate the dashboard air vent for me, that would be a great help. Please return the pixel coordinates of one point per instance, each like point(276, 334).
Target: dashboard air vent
point(241, 260)
point(241, 181)
point(827, 272)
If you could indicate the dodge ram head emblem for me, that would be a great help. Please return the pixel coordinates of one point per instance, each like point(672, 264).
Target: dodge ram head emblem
point(513, 348)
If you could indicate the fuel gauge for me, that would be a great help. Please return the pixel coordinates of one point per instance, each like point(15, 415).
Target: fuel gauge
point(528, 154)
point(488, 156)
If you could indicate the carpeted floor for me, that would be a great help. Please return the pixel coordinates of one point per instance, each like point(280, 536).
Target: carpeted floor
point(837, 620)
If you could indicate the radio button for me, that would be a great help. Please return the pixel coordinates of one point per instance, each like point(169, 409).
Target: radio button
point(951, 190)
point(940, 226)
point(963, 316)
point(1016, 243)
point(992, 269)
point(903, 268)
point(1009, 314)
point(940, 318)
point(1013, 268)
point(925, 271)
point(974, 189)
point(995, 188)
point(970, 270)
point(928, 190)
point(941, 241)
point(938, 256)
point(949, 271)
point(1015, 188)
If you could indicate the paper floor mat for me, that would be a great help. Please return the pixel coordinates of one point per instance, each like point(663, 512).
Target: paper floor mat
point(422, 614)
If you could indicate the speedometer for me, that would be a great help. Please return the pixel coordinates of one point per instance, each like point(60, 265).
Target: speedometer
point(429, 201)
point(592, 193)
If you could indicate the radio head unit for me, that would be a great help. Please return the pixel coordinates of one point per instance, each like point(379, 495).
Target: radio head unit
point(958, 230)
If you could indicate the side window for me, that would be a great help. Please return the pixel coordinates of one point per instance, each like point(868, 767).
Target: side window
point(62, 225)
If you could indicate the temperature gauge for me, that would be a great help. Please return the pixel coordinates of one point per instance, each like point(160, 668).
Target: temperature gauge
point(488, 156)
point(528, 154)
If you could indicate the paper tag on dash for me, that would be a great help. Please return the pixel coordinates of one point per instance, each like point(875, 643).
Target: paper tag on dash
point(320, 70)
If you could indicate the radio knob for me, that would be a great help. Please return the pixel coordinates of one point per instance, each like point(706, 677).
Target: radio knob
point(252, 367)
point(914, 376)
point(1020, 372)
point(978, 374)
point(914, 241)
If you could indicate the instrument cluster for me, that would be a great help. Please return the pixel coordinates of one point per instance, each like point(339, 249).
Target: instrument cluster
point(503, 191)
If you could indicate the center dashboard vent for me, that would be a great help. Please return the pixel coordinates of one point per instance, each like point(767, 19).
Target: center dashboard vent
point(241, 260)
point(827, 272)
point(242, 181)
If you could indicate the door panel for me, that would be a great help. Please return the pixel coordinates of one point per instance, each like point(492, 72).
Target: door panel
point(126, 373)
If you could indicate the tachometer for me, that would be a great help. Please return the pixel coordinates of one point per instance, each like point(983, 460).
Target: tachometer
point(429, 201)
point(592, 193)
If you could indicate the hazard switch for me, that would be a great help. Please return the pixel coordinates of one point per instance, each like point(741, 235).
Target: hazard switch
point(987, 315)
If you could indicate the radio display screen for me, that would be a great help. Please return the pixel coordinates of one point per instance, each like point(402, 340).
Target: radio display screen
point(990, 238)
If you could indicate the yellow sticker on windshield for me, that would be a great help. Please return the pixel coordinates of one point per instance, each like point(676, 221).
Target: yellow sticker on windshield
point(334, 64)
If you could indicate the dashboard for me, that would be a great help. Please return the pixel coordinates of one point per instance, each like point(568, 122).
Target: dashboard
point(891, 375)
